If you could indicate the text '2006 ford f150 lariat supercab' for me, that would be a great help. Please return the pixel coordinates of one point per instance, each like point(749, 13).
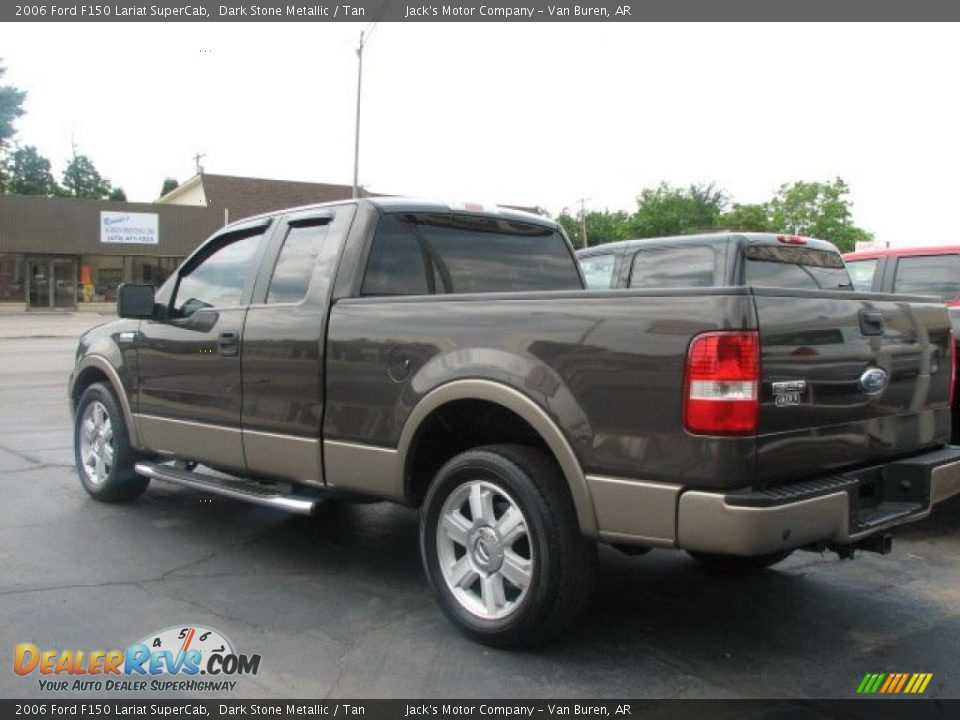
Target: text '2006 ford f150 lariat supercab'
point(450, 359)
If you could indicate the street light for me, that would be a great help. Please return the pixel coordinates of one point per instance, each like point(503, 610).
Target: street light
point(364, 38)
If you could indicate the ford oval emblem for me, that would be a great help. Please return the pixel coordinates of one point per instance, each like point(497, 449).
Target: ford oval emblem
point(873, 380)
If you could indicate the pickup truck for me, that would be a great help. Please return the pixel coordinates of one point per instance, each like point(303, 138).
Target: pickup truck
point(449, 359)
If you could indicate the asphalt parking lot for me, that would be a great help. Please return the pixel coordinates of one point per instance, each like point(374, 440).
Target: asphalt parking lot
point(337, 605)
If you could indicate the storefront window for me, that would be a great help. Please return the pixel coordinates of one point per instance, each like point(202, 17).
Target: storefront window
point(100, 275)
point(11, 278)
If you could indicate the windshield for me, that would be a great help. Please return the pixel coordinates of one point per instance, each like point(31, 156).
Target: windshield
point(795, 267)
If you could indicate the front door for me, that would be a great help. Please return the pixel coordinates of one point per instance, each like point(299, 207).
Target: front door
point(190, 386)
point(51, 283)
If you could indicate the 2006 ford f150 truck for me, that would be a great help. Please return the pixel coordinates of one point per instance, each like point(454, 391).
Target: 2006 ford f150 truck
point(449, 359)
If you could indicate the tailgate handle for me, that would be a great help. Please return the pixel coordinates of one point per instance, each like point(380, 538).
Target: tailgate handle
point(871, 322)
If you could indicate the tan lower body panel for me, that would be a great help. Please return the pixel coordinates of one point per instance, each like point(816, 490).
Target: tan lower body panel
point(363, 469)
point(944, 482)
point(213, 444)
point(705, 522)
point(634, 511)
point(283, 456)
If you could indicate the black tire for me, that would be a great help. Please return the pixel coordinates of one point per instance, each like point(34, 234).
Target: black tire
point(562, 562)
point(120, 481)
point(738, 564)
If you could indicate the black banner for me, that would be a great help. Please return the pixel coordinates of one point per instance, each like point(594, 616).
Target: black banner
point(482, 709)
point(472, 11)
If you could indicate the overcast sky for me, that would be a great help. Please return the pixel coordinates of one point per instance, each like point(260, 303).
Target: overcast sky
point(532, 114)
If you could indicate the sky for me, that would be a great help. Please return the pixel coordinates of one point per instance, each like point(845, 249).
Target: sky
point(529, 113)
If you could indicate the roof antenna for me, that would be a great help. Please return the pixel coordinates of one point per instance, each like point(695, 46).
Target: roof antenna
point(196, 159)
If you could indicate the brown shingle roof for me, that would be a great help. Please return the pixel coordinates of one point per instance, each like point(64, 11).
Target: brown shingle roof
point(245, 196)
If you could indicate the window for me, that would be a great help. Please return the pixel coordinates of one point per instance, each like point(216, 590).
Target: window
point(598, 271)
point(680, 266)
point(794, 267)
point(219, 278)
point(929, 275)
point(861, 274)
point(437, 253)
point(294, 268)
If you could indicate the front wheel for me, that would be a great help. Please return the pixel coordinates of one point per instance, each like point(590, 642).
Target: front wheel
point(104, 456)
point(502, 548)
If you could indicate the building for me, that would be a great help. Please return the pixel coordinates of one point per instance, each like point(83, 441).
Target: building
point(67, 253)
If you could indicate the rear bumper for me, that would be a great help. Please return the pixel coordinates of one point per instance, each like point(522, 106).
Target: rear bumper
point(836, 509)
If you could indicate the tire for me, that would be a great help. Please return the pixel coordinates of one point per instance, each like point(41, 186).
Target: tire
point(738, 564)
point(102, 451)
point(528, 573)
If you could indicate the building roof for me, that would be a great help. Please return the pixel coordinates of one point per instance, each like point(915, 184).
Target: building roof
point(244, 196)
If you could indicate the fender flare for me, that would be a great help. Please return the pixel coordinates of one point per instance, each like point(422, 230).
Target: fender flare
point(527, 409)
point(103, 365)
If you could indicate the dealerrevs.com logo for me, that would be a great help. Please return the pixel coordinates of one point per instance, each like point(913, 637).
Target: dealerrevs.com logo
point(186, 658)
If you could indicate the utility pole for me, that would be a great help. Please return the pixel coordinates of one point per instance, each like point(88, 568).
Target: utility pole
point(196, 159)
point(356, 131)
point(583, 220)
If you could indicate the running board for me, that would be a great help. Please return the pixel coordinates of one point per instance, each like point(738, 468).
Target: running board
point(239, 489)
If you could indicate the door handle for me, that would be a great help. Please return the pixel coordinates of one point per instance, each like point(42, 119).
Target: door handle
point(228, 344)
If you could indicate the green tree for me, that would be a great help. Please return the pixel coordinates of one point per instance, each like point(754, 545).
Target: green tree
point(820, 210)
point(169, 185)
point(118, 194)
point(11, 107)
point(602, 227)
point(81, 179)
point(30, 173)
point(747, 218)
point(668, 210)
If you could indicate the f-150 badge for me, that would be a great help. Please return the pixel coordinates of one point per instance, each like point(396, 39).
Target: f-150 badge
point(786, 394)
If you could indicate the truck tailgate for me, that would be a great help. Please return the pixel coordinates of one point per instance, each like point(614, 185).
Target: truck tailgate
point(847, 379)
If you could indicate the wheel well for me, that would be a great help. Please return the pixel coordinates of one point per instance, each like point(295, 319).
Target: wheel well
point(86, 378)
point(456, 427)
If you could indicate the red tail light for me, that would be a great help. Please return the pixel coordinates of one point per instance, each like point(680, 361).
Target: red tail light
point(722, 384)
point(953, 366)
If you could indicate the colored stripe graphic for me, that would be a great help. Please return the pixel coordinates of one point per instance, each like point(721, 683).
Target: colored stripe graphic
point(894, 683)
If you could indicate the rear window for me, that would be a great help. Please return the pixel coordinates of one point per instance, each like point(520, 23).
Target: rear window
point(794, 267)
point(680, 266)
point(929, 275)
point(424, 254)
point(598, 271)
point(861, 274)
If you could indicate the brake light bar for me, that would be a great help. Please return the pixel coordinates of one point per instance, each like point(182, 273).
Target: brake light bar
point(792, 239)
point(722, 384)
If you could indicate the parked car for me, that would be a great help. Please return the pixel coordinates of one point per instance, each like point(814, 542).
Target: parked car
point(449, 359)
point(915, 271)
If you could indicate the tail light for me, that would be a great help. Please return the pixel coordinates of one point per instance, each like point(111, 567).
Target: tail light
point(722, 384)
point(953, 366)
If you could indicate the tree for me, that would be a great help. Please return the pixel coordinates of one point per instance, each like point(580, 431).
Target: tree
point(668, 210)
point(602, 227)
point(81, 179)
point(169, 185)
point(118, 194)
point(11, 107)
point(747, 218)
point(30, 173)
point(819, 210)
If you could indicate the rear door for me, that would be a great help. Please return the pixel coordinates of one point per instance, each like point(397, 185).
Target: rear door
point(847, 378)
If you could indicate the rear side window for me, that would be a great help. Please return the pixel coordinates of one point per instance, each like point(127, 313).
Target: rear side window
point(294, 268)
point(598, 271)
point(423, 254)
point(680, 266)
point(794, 267)
point(929, 275)
point(862, 273)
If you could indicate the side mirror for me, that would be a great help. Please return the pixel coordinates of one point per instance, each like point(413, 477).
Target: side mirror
point(135, 301)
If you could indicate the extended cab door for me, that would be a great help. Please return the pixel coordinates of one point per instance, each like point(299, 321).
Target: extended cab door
point(284, 343)
point(190, 382)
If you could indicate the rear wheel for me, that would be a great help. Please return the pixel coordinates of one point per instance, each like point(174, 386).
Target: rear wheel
point(738, 563)
point(502, 548)
point(104, 456)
